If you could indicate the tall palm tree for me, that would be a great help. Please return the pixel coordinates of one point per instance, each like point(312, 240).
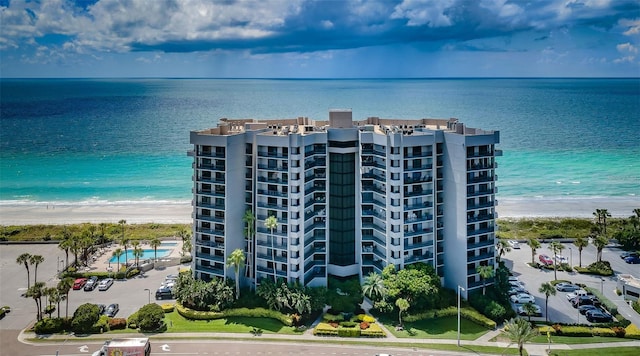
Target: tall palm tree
point(556, 247)
point(580, 243)
point(236, 260)
point(36, 291)
point(137, 252)
point(602, 215)
point(600, 242)
point(485, 273)
point(547, 289)
point(51, 293)
point(35, 260)
point(117, 253)
point(403, 305)
point(271, 223)
point(519, 331)
point(249, 233)
point(65, 245)
point(124, 241)
point(373, 287)
point(103, 232)
point(64, 286)
point(154, 243)
point(75, 247)
point(534, 244)
point(24, 259)
point(503, 247)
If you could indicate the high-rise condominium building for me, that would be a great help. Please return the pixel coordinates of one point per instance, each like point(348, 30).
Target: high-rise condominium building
point(344, 198)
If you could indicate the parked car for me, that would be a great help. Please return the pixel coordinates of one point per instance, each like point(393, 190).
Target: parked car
point(522, 298)
point(632, 260)
point(164, 293)
point(101, 308)
point(517, 290)
point(105, 284)
point(91, 283)
point(522, 311)
point(587, 307)
point(584, 299)
point(517, 284)
point(79, 283)
point(626, 254)
point(514, 279)
point(576, 293)
point(561, 259)
point(514, 244)
point(171, 277)
point(597, 316)
point(545, 260)
point(112, 310)
point(566, 287)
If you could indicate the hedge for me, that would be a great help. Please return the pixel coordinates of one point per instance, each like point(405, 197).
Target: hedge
point(52, 325)
point(608, 332)
point(466, 312)
point(117, 323)
point(332, 317)
point(349, 332)
point(244, 312)
point(324, 329)
point(167, 307)
point(374, 330)
point(632, 332)
point(132, 321)
point(366, 318)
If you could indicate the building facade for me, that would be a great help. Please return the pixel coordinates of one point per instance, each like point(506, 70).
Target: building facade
point(344, 198)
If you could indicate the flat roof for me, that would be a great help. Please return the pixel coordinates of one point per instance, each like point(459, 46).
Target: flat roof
point(630, 280)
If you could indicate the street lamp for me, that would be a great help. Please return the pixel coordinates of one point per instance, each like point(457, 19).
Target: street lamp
point(602, 286)
point(459, 289)
point(148, 295)
point(571, 256)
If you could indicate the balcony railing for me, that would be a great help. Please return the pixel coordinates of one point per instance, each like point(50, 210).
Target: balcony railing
point(273, 168)
point(482, 217)
point(211, 154)
point(216, 271)
point(480, 244)
point(211, 232)
point(209, 257)
point(210, 243)
point(272, 154)
point(418, 168)
point(210, 218)
point(483, 256)
point(418, 192)
point(418, 232)
point(480, 231)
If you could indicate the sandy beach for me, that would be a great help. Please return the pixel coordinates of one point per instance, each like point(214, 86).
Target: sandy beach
point(180, 212)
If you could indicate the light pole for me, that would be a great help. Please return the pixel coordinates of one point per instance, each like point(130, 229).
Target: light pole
point(459, 289)
point(570, 256)
point(148, 295)
point(602, 286)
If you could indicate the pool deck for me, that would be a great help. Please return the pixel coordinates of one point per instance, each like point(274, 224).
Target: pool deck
point(100, 260)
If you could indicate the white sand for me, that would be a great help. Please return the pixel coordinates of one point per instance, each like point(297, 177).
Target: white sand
point(174, 212)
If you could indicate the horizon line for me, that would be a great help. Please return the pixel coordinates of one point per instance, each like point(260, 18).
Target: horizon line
point(319, 78)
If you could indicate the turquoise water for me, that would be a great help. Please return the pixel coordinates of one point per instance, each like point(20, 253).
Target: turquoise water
point(84, 141)
point(146, 254)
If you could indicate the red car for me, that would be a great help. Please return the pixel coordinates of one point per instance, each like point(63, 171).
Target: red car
point(546, 260)
point(79, 283)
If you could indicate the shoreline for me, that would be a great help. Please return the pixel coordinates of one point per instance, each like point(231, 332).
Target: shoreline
point(176, 212)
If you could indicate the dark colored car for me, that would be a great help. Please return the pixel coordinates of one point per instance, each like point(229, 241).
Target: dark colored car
point(101, 308)
point(91, 284)
point(112, 310)
point(629, 254)
point(584, 300)
point(587, 307)
point(597, 316)
point(164, 293)
point(632, 260)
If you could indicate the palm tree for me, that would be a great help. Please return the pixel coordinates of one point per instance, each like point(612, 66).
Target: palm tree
point(117, 253)
point(154, 243)
point(64, 286)
point(35, 260)
point(485, 273)
point(24, 259)
point(36, 291)
point(556, 247)
point(51, 293)
point(373, 286)
point(530, 309)
point(402, 305)
point(124, 241)
point(547, 289)
point(249, 233)
point(65, 245)
point(600, 241)
point(534, 244)
point(236, 260)
point(74, 246)
point(271, 223)
point(103, 232)
point(602, 215)
point(519, 331)
point(503, 247)
point(580, 243)
point(300, 302)
point(137, 252)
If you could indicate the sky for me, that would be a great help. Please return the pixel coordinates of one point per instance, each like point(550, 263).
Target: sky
point(319, 39)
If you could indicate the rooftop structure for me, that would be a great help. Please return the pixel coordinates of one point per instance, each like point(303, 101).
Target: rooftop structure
point(348, 197)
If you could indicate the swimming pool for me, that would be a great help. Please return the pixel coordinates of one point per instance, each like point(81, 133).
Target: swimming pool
point(146, 254)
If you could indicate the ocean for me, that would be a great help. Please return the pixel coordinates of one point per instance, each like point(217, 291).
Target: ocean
point(125, 140)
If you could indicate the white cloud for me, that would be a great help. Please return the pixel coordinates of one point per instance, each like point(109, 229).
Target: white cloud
point(424, 12)
point(632, 26)
point(626, 47)
point(626, 59)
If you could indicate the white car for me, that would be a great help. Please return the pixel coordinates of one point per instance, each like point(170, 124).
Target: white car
point(579, 292)
point(561, 259)
point(522, 311)
point(105, 284)
point(514, 244)
point(523, 298)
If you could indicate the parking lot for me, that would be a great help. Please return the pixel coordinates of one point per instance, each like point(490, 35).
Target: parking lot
point(560, 309)
point(129, 294)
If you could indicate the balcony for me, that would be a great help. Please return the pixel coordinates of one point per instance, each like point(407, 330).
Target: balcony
point(421, 154)
point(276, 245)
point(480, 231)
point(273, 193)
point(426, 204)
point(421, 179)
point(480, 205)
point(373, 226)
point(315, 151)
point(264, 230)
point(211, 232)
point(315, 163)
point(415, 258)
point(480, 154)
point(479, 167)
point(480, 244)
point(273, 168)
point(418, 192)
point(480, 179)
point(273, 180)
point(273, 206)
point(210, 206)
point(418, 168)
point(268, 257)
point(209, 257)
point(418, 232)
point(270, 271)
point(272, 154)
point(481, 192)
point(371, 262)
point(213, 154)
point(483, 256)
point(209, 243)
point(314, 264)
point(209, 218)
point(483, 217)
point(216, 271)
point(412, 246)
point(212, 167)
point(209, 179)
point(413, 218)
point(374, 239)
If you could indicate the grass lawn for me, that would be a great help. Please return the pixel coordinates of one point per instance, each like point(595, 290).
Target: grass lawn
point(176, 323)
point(618, 351)
point(440, 328)
point(570, 340)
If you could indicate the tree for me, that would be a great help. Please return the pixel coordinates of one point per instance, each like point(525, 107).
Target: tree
point(300, 302)
point(124, 241)
point(547, 289)
point(519, 331)
point(271, 223)
point(529, 309)
point(236, 260)
point(36, 291)
point(103, 232)
point(35, 260)
point(52, 297)
point(600, 242)
point(65, 245)
point(503, 248)
point(580, 243)
point(150, 317)
point(64, 286)
point(534, 244)
point(485, 273)
point(556, 247)
point(75, 247)
point(249, 234)
point(373, 287)
point(602, 215)
point(154, 243)
point(117, 253)
point(85, 317)
point(137, 251)
point(402, 305)
point(25, 259)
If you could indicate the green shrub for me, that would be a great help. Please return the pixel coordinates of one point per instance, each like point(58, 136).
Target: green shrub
point(348, 324)
point(52, 325)
point(2, 313)
point(150, 317)
point(495, 311)
point(332, 317)
point(132, 273)
point(85, 317)
point(450, 311)
point(636, 306)
point(374, 330)
point(132, 321)
point(102, 325)
point(473, 315)
point(324, 329)
point(349, 332)
point(117, 323)
point(185, 259)
point(607, 332)
point(366, 318)
point(245, 312)
point(429, 314)
point(543, 330)
point(576, 331)
point(602, 268)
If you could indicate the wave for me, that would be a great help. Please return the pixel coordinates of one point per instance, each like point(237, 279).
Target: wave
point(92, 202)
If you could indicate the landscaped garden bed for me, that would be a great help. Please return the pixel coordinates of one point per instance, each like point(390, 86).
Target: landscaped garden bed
point(357, 326)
